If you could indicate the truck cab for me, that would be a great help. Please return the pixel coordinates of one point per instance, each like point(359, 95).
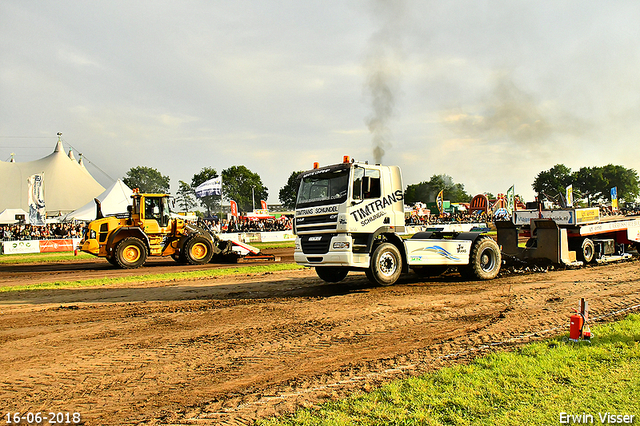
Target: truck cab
point(342, 208)
point(349, 217)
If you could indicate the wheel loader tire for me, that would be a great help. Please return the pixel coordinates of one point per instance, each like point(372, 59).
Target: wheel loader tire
point(331, 274)
point(485, 260)
point(131, 253)
point(197, 250)
point(386, 265)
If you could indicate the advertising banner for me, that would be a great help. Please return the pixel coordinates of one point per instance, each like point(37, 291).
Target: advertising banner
point(234, 208)
point(16, 247)
point(37, 212)
point(39, 246)
point(510, 200)
point(48, 246)
point(439, 202)
point(587, 215)
point(614, 198)
point(569, 196)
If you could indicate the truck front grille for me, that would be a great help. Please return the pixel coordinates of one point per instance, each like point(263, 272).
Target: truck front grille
point(317, 244)
point(308, 224)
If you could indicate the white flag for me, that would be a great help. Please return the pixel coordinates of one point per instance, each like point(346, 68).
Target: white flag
point(37, 212)
point(210, 187)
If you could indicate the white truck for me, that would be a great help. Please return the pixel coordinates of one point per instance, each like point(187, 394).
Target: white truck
point(349, 217)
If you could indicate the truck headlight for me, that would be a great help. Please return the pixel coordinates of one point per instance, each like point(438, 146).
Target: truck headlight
point(340, 245)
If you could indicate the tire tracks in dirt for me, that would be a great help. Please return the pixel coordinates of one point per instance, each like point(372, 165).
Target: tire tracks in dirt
point(229, 351)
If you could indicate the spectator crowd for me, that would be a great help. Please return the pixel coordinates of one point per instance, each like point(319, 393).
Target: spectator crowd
point(47, 232)
point(243, 224)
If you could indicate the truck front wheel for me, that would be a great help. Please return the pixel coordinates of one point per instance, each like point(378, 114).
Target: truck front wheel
point(386, 265)
point(131, 253)
point(330, 274)
point(485, 260)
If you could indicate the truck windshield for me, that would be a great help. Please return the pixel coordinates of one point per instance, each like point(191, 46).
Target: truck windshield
point(323, 187)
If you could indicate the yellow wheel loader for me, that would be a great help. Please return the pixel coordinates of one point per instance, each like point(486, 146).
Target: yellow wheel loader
point(150, 229)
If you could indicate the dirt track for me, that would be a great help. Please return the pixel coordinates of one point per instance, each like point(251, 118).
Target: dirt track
point(230, 350)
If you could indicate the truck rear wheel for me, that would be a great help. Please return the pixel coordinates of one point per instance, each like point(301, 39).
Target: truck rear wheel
point(386, 265)
point(131, 253)
point(197, 250)
point(331, 274)
point(485, 260)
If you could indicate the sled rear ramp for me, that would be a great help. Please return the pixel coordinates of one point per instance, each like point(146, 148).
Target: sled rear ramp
point(551, 242)
point(248, 252)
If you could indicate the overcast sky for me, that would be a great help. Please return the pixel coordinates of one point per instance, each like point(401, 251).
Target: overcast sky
point(488, 92)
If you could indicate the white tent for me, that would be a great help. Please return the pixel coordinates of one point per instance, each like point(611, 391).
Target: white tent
point(113, 200)
point(67, 183)
point(8, 216)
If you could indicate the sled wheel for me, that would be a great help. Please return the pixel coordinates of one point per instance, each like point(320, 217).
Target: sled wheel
point(386, 265)
point(131, 253)
point(198, 250)
point(485, 260)
point(331, 274)
point(586, 251)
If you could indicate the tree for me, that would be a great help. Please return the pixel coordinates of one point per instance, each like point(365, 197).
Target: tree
point(426, 192)
point(626, 180)
point(552, 183)
point(185, 197)
point(147, 180)
point(590, 184)
point(289, 193)
point(243, 186)
point(209, 202)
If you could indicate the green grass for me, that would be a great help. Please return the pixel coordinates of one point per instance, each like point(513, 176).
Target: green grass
point(66, 256)
point(531, 386)
point(155, 278)
point(42, 257)
point(274, 244)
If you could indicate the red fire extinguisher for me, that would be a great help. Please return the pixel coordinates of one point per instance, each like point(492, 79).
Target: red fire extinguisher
point(575, 327)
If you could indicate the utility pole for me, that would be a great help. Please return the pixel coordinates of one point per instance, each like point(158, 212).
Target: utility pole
point(253, 198)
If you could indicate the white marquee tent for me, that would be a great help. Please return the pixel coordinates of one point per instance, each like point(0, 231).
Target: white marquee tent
point(113, 200)
point(8, 216)
point(67, 183)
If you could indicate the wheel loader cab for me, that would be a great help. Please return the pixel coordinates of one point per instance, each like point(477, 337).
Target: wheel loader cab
point(156, 214)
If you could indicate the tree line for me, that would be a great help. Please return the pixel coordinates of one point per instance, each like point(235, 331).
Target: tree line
point(239, 184)
point(590, 185)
